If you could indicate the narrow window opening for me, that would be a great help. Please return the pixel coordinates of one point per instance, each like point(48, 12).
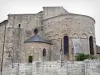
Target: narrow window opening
point(91, 45)
point(30, 59)
point(19, 25)
point(66, 45)
point(44, 52)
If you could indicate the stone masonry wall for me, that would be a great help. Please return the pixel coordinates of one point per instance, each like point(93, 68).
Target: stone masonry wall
point(53, 23)
point(90, 67)
point(2, 41)
point(50, 12)
point(74, 26)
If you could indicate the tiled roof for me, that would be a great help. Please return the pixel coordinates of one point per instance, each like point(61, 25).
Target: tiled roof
point(36, 38)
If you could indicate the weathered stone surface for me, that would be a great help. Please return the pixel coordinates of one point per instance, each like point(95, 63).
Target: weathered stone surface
point(53, 24)
point(90, 67)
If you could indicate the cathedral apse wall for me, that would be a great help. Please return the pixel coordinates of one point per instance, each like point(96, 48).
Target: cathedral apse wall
point(76, 27)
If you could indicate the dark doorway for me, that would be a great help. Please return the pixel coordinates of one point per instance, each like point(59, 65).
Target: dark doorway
point(30, 59)
point(91, 45)
point(66, 45)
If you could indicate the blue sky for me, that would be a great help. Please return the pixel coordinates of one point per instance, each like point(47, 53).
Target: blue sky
point(85, 7)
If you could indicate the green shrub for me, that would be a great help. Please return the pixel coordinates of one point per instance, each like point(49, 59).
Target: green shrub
point(82, 57)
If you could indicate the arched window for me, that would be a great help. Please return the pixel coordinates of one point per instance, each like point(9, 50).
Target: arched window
point(91, 45)
point(66, 45)
point(30, 59)
point(44, 52)
point(36, 31)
